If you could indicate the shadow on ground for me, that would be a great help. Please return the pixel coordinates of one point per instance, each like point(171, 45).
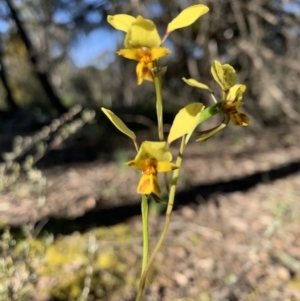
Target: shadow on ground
point(196, 194)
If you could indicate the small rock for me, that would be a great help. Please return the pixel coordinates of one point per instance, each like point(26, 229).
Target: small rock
point(181, 279)
point(283, 274)
point(188, 212)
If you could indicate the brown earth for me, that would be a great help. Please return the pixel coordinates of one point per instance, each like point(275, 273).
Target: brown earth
point(235, 235)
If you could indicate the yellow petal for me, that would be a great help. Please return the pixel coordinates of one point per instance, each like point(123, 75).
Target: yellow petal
point(152, 149)
point(142, 33)
point(158, 52)
point(236, 93)
point(131, 54)
point(143, 53)
point(163, 166)
point(187, 17)
point(138, 164)
point(192, 82)
point(144, 72)
point(121, 22)
point(185, 121)
point(118, 123)
point(148, 184)
point(224, 75)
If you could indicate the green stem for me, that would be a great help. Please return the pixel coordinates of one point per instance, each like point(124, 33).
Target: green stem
point(136, 145)
point(167, 182)
point(145, 209)
point(167, 220)
point(206, 114)
point(159, 105)
point(159, 112)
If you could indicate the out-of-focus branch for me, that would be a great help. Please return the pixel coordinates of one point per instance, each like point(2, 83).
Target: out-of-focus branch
point(3, 76)
point(239, 17)
point(34, 59)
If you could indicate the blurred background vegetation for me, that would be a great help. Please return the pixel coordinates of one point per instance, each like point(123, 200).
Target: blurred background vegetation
point(55, 54)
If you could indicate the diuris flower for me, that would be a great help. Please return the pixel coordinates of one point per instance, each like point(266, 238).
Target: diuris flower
point(226, 77)
point(152, 158)
point(232, 103)
point(142, 41)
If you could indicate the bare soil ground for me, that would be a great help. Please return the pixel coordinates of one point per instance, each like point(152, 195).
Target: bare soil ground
point(235, 234)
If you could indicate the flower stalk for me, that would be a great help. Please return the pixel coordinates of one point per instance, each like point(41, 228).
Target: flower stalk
point(145, 222)
point(159, 104)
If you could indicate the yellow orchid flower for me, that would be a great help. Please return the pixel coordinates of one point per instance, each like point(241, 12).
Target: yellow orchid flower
point(152, 158)
point(232, 103)
point(142, 41)
point(226, 77)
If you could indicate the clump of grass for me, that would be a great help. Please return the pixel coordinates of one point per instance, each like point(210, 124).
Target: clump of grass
point(19, 263)
point(90, 266)
point(22, 256)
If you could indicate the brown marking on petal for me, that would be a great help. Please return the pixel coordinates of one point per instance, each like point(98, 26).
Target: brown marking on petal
point(149, 75)
point(147, 72)
point(146, 59)
point(230, 108)
point(233, 118)
point(244, 119)
point(150, 166)
point(144, 186)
